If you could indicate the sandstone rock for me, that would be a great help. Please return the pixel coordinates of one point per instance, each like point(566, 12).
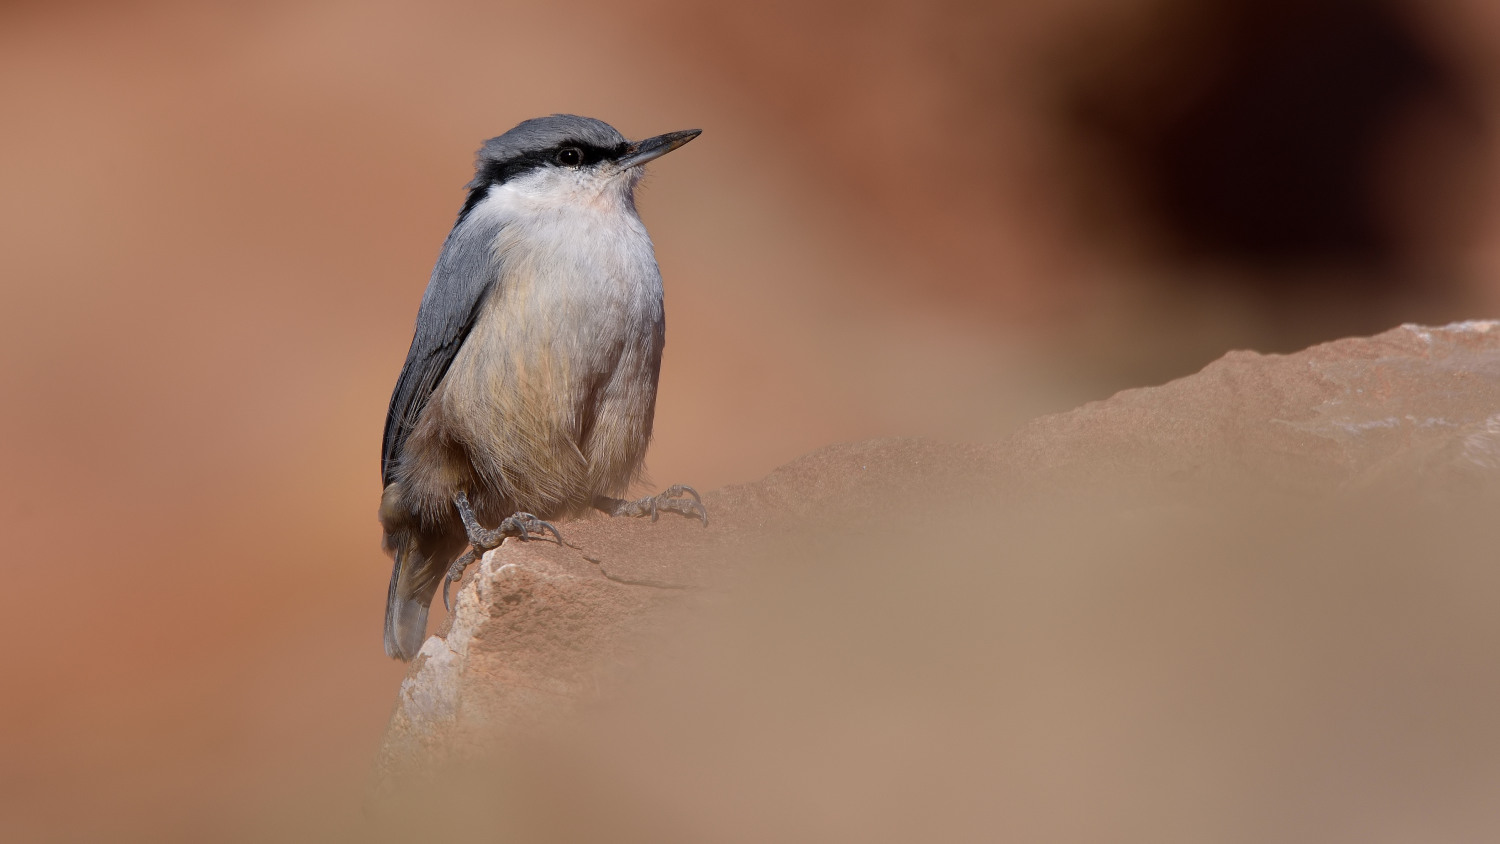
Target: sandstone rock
point(534, 620)
point(540, 629)
point(1336, 415)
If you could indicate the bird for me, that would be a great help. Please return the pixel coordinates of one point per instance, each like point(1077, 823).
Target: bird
point(529, 390)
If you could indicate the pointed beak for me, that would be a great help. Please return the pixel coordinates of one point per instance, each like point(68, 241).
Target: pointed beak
point(641, 152)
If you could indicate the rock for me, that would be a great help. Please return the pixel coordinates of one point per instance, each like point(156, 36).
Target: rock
point(1336, 415)
point(541, 630)
point(534, 620)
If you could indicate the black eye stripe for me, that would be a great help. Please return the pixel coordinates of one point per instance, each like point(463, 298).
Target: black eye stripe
point(588, 153)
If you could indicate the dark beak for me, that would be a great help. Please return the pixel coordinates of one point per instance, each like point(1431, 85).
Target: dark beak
point(641, 152)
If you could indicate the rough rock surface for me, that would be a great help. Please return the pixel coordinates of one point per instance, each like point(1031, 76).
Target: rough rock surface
point(1334, 416)
point(535, 621)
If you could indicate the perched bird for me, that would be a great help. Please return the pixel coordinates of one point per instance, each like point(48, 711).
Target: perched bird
point(530, 386)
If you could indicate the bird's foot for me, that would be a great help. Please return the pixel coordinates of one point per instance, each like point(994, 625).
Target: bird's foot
point(483, 539)
point(517, 524)
point(670, 501)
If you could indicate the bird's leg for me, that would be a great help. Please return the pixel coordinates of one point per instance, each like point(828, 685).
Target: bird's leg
point(670, 501)
point(482, 539)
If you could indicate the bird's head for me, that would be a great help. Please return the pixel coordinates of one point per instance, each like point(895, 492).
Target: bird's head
point(566, 160)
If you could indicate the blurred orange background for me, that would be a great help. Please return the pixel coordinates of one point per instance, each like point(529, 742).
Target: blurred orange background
point(934, 219)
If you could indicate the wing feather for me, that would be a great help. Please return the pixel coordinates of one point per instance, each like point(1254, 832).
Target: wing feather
point(465, 274)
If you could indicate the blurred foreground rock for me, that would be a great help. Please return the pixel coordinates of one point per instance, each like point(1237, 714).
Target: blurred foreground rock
point(1376, 428)
point(535, 621)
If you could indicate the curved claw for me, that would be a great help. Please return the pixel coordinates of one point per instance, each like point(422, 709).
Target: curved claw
point(555, 534)
point(525, 523)
point(455, 571)
point(697, 509)
point(677, 489)
point(668, 500)
point(691, 509)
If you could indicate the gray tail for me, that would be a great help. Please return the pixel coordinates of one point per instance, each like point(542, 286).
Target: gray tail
point(414, 580)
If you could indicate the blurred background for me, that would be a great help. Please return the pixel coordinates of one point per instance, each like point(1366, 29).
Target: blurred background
point(937, 219)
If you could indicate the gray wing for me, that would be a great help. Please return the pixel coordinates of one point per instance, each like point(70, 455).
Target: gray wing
point(465, 272)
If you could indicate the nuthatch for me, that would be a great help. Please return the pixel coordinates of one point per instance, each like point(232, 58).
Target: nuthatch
point(529, 390)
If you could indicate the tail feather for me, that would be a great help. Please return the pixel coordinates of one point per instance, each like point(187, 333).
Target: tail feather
point(415, 576)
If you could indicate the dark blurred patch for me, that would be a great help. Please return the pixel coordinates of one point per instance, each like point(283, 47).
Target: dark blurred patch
point(1284, 135)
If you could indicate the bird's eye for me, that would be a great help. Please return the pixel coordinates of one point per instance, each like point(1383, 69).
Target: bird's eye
point(570, 156)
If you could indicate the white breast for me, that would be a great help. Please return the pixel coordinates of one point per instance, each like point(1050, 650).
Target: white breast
point(576, 243)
